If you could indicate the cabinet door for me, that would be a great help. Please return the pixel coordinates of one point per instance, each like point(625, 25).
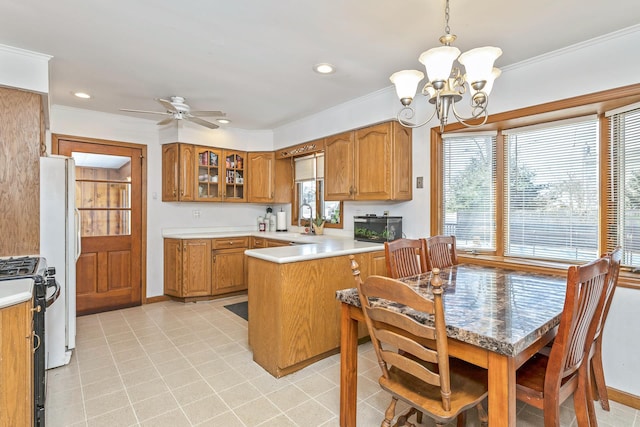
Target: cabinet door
point(402, 163)
point(196, 271)
point(228, 271)
point(338, 167)
point(209, 174)
point(187, 174)
point(170, 173)
point(373, 163)
point(234, 176)
point(261, 177)
point(173, 267)
point(284, 180)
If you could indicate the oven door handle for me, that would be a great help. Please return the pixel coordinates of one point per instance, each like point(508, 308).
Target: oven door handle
point(55, 294)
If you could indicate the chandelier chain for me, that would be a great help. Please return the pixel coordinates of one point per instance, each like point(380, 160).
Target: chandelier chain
point(447, 30)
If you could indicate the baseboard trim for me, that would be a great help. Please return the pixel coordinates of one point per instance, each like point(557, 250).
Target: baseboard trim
point(159, 298)
point(624, 398)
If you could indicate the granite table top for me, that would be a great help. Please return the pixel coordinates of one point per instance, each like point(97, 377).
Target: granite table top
point(501, 310)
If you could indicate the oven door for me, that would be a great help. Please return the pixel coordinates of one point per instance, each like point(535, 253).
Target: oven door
point(39, 376)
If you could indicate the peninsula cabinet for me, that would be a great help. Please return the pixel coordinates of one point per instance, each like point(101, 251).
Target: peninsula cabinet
point(187, 268)
point(16, 365)
point(373, 163)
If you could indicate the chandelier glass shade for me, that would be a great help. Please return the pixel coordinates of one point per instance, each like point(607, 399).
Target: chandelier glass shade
point(446, 84)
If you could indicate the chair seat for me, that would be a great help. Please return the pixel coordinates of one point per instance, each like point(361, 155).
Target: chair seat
point(468, 388)
point(530, 379)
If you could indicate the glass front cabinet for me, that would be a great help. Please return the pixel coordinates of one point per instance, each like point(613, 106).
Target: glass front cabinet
point(221, 175)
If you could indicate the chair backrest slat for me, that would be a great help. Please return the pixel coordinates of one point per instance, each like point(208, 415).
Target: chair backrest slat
point(614, 271)
point(441, 252)
point(405, 257)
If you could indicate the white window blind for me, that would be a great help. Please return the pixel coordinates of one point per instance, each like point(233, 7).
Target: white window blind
point(469, 200)
point(305, 168)
point(623, 186)
point(551, 184)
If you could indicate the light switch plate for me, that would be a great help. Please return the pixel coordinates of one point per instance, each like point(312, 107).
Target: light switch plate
point(420, 182)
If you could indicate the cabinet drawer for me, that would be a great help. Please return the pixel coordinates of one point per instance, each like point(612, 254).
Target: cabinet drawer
point(259, 242)
point(231, 242)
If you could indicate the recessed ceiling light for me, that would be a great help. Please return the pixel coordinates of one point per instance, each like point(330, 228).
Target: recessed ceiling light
point(82, 95)
point(324, 68)
point(224, 121)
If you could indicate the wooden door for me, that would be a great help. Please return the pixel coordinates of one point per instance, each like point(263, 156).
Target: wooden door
point(338, 167)
point(173, 267)
point(109, 183)
point(228, 271)
point(170, 172)
point(373, 163)
point(196, 267)
point(261, 177)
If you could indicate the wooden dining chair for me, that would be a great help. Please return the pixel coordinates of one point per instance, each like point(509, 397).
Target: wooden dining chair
point(421, 375)
point(441, 252)
point(595, 355)
point(405, 257)
point(547, 381)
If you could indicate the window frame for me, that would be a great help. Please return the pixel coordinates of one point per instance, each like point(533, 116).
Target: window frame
point(596, 103)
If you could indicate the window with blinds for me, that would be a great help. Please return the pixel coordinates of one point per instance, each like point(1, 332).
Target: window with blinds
point(551, 186)
point(309, 179)
point(469, 199)
point(623, 186)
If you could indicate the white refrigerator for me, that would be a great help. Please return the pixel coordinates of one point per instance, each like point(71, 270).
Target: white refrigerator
point(60, 245)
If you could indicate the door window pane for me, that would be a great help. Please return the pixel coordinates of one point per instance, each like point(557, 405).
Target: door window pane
point(103, 194)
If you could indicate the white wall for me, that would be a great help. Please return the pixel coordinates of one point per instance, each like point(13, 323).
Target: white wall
point(589, 67)
point(24, 69)
point(160, 215)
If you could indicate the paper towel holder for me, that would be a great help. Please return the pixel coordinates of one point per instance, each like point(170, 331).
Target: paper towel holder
point(281, 221)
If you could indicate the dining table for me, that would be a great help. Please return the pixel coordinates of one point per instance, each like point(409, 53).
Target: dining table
point(496, 318)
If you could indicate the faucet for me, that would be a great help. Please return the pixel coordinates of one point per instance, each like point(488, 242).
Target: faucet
point(300, 214)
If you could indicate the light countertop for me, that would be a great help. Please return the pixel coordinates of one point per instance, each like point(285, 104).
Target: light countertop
point(304, 247)
point(15, 291)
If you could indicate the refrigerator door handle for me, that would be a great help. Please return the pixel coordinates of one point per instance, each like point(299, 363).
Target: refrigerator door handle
point(77, 231)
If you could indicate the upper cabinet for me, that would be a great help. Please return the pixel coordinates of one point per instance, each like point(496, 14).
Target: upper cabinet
point(197, 173)
point(374, 163)
point(270, 180)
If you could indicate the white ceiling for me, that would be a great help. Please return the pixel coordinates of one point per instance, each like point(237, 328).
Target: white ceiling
point(253, 58)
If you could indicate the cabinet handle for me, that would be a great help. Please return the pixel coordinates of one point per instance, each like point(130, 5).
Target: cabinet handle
point(231, 242)
point(174, 192)
point(38, 346)
point(272, 194)
point(37, 309)
point(214, 259)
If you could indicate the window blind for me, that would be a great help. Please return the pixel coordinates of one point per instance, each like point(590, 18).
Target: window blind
point(623, 186)
point(551, 185)
point(469, 199)
point(305, 168)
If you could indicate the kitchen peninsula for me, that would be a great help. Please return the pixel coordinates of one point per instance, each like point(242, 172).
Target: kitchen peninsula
point(294, 318)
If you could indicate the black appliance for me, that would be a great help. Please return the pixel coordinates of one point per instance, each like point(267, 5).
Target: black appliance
point(35, 268)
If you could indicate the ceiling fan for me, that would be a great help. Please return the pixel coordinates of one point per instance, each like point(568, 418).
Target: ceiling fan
point(177, 109)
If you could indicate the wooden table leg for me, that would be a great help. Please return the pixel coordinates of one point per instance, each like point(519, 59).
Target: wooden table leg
point(502, 390)
point(348, 367)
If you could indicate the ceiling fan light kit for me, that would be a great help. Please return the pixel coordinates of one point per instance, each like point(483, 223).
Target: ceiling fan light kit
point(178, 109)
point(446, 84)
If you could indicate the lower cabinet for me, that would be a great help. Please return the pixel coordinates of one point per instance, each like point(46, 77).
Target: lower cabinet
point(16, 365)
point(196, 269)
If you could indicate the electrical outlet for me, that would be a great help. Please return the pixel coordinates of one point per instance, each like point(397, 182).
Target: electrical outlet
point(420, 182)
point(196, 213)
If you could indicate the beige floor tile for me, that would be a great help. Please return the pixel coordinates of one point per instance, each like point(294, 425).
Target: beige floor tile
point(132, 365)
point(288, 397)
point(64, 415)
point(154, 406)
point(192, 392)
point(239, 395)
point(205, 409)
point(182, 378)
point(140, 376)
point(175, 418)
point(147, 390)
point(98, 375)
point(257, 411)
point(106, 403)
point(314, 385)
point(310, 413)
point(103, 362)
point(58, 381)
point(100, 388)
point(268, 384)
point(227, 419)
point(330, 400)
point(223, 381)
point(279, 421)
point(120, 417)
point(172, 366)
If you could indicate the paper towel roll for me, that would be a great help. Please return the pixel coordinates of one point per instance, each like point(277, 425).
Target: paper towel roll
point(281, 221)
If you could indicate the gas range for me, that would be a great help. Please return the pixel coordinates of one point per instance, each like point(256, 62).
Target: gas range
point(23, 267)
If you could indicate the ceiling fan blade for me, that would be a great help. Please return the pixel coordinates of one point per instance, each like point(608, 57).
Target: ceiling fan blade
point(165, 121)
point(167, 104)
point(144, 111)
point(201, 122)
point(208, 113)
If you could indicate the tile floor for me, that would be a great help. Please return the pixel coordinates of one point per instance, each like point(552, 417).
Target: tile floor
point(174, 364)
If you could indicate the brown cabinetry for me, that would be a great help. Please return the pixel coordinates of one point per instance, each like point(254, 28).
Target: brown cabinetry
point(178, 176)
point(203, 174)
point(187, 268)
point(269, 180)
point(373, 163)
point(16, 365)
point(228, 265)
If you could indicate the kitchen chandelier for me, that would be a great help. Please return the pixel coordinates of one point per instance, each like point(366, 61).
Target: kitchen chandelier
point(446, 84)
